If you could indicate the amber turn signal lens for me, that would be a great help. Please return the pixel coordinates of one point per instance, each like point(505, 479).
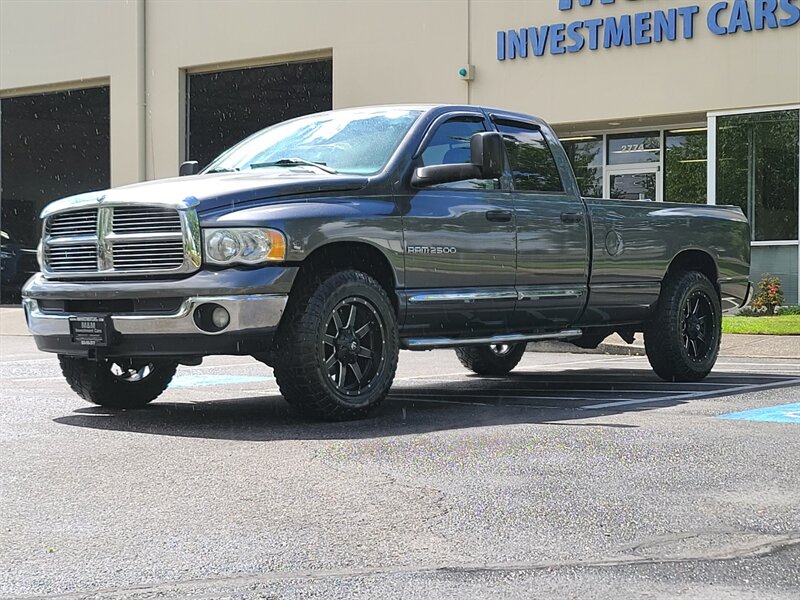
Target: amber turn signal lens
point(277, 249)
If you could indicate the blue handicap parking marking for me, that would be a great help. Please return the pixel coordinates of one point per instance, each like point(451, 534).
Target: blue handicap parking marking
point(187, 381)
point(784, 413)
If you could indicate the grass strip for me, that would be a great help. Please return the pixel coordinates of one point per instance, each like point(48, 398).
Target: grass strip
point(780, 325)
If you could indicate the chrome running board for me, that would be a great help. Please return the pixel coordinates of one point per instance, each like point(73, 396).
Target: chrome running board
point(511, 338)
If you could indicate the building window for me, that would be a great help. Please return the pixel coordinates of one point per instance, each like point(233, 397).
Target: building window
point(685, 162)
point(757, 169)
point(53, 145)
point(586, 155)
point(224, 107)
point(634, 148)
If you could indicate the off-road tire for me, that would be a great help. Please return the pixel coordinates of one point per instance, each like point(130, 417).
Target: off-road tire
point(96, 382)
point(300, 365)
point(669, 339)
point(483, 360)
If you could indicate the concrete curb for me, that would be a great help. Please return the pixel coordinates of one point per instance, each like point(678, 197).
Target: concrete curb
point(622, 349)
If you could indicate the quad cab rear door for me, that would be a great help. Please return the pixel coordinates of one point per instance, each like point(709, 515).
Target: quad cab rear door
point(552, 228)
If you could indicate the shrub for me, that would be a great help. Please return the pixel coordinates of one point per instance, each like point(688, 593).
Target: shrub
point(769, 294)
point(787, 310)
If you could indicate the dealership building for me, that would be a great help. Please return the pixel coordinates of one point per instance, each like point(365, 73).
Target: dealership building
point(666, 100)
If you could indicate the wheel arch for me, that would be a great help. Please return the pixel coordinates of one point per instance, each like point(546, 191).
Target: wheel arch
point(694, 260)
point(357, 255)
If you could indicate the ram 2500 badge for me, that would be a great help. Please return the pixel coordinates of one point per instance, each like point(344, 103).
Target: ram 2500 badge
point(323, 245)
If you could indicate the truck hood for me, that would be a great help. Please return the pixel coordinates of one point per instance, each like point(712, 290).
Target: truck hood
point(218, 190)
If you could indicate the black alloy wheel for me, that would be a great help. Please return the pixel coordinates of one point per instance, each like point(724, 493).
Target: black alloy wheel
point(682, 339)
point(501, 349)
point(697, 333)
point(337, 347)
point(353, 346)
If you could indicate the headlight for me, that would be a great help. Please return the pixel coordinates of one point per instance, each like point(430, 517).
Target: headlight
point(40, 255)
point(245, 246)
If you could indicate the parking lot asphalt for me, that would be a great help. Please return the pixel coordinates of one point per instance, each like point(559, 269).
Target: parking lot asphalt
point(578, 476)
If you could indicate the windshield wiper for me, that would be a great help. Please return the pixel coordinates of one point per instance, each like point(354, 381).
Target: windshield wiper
point(222, 170)
point(291, 162)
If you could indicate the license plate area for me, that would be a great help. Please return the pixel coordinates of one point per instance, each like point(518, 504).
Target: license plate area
point(90, 330)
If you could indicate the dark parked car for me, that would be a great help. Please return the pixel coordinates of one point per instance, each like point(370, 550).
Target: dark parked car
point(324, 244)
point(17, 264)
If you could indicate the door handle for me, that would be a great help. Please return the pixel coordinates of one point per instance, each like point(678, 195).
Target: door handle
point(571, 218)
point(500, 216)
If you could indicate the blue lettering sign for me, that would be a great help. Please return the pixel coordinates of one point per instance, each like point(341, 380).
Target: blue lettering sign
point(791, 10)
point(665, 25)
point(537, 36)
point(740, 17)
point(765, 13)
point(556, 37)
point(573, 31)
point(687, 13)
point(594, 25)
point(641, 28)
point(725, 17)
point(617, 33)
point(518, 43)
point(712, 18)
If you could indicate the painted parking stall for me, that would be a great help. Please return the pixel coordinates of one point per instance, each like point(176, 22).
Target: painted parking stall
point(784, 413)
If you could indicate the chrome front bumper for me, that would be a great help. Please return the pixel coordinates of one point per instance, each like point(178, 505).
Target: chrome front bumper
point(247, 313)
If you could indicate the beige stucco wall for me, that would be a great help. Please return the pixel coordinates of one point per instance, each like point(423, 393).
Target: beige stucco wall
point(50, 45)
point(384, 51)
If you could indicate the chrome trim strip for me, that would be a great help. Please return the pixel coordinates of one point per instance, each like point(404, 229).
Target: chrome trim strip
point(463, 296)
point(251, 312)
point(428, 343)
point(540, 294)
point(105, 250)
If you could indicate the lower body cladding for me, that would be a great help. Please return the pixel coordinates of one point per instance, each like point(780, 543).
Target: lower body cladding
point(201, 325)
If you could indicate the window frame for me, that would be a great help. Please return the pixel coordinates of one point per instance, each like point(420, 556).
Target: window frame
point(429, 134)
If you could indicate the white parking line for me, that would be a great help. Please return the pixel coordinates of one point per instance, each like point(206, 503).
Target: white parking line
point(694, 395)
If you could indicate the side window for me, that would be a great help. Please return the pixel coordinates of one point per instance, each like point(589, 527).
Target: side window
point(532, 164)
point(450, 144)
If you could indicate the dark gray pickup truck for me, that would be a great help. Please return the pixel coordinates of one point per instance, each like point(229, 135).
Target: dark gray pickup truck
point(323, 245)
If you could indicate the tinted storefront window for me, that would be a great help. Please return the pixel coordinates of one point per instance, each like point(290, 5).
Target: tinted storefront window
point(53, 145)
point(586, 157)
point(685, 167)
point(757, 169)
point(225, 107)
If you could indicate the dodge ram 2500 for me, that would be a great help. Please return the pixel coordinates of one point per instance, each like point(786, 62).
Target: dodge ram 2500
point(323, 245)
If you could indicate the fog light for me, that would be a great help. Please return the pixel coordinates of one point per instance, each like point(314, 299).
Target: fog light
point(220, 317)
point(211, 318)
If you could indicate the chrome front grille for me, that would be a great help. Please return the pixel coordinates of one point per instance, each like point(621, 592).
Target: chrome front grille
point(79, 222)
point(161, 254)
point(74, 257)
point(121, 239)
point(136, 219)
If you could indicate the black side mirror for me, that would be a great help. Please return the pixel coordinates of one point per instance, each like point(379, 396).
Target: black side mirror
point(189, 167)
point(487, 152)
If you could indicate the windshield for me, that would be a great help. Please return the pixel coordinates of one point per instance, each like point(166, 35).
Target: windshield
point(358, 141)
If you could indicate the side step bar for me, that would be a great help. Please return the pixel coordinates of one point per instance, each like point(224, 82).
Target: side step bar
point(511, 338)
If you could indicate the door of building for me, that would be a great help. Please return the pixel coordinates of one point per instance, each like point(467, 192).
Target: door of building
point(633, 182)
